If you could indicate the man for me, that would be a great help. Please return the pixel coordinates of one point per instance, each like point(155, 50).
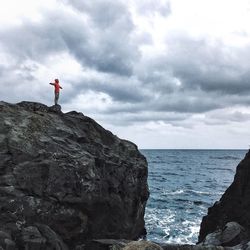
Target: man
point(57, 89)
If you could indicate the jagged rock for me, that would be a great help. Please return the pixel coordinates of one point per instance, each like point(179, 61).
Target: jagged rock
point(53, 240)
point(128, 245)
point(64, 178)
point(191, 247)
point(142, 245)
point(107, 244)
point(248, 246)
point(6, 241)
point(231, 235)
point(55, 108)
point(41, 237)
point(234, 205)
point(32, 238)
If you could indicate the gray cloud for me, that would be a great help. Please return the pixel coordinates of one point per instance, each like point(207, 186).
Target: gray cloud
point(235, 116)
point(178, 104)
point(126, 119)
point(108, 49)
point(211, 67)
point(120, 91)
point(104, 13)
point(192, 76)
point(151, 7)
point(32, 41)
point(196, 76)
point(190, 64)
point(220, 117)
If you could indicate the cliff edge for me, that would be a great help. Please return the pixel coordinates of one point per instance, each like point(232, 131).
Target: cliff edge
point(64, 180)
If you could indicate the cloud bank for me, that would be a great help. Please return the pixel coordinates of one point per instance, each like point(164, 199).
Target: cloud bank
point(136, 67)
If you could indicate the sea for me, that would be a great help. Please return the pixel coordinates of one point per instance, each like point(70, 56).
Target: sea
point(183, 184)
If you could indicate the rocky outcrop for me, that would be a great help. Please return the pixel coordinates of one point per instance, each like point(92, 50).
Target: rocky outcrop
point(233, 207)
point(65, 180)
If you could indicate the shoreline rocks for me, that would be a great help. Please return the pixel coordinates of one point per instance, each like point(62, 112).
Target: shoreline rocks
point(111, 244)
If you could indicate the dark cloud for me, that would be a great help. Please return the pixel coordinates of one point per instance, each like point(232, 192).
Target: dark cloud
point(32, 41)
point(110, 46)
point(126, 119)
point(209, 65)
point(198, 64)
point(196, 76)
point(119, 89)
point(108, 49)
point(178, 104)
point(187, 104)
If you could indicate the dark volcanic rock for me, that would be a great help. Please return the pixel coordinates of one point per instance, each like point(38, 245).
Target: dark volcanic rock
point(234, 206)
point(231, 235)
point(64, 180)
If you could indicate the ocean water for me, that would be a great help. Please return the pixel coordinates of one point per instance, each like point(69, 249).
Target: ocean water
point(183, 184)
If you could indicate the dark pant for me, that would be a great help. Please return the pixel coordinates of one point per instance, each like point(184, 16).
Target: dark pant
point(56, 97)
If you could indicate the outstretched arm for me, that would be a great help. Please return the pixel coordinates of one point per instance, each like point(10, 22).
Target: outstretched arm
point(60, 87)
point(51, 83)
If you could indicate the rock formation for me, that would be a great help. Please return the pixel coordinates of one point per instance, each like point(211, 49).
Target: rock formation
point(108, 244)
point(64, 180)
point(233, 207)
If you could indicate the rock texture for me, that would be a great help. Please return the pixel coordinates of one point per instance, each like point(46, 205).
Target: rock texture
point(109, 244)
point(64, 180)
point(142, 245)
point(231, 235)
point(234, 206)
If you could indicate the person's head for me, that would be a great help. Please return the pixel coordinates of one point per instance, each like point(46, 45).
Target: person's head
point(56, 80)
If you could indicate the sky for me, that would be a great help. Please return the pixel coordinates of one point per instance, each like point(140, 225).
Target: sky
point(161, 73)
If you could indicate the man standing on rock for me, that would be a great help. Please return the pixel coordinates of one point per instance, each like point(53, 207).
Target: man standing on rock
point(57, 90)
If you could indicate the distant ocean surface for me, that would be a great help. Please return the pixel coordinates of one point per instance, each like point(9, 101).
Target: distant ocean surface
point(183, 184)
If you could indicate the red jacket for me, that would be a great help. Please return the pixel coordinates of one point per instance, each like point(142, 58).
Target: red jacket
point(57, 87)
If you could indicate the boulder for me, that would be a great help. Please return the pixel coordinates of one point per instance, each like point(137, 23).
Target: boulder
point(142, 245)
point(231, 235)
point(65, 180)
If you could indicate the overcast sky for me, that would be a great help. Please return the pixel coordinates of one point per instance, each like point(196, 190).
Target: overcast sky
point(161, 73)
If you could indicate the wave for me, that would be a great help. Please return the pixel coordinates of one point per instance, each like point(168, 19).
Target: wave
point(176, 161)
point(187, 231)
point(222, 169)
point(226, 157)
point(198, 203)
point(180, 191)
point(174, 174)
point(198, 192)
point(181, 200)
point(157, 162)
point(159, 199)
point(190, 191)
